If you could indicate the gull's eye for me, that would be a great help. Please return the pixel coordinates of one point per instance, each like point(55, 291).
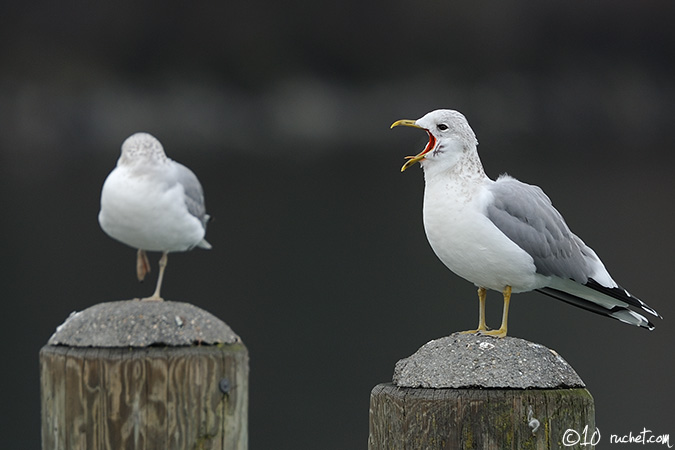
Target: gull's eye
point(442, 126)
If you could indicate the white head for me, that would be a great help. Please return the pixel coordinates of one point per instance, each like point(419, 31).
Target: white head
point(449, 136)
point(141, 147)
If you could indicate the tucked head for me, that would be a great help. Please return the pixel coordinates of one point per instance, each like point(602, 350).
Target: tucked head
point(448, 131)
point(141, 146)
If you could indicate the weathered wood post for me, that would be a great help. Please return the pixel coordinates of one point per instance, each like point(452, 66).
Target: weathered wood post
point(144, 375)
point(478, 392)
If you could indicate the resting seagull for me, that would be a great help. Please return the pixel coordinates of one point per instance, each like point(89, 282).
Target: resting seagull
point(506, 235)
point(152, 203)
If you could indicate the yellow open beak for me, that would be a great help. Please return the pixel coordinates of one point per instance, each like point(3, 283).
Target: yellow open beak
point(420, 156)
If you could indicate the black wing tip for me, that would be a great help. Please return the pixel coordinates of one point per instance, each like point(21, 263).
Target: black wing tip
point(619, 313)
point(622, 294)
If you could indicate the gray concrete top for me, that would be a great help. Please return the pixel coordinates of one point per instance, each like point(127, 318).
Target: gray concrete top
point(474, 361)
point(134, 323)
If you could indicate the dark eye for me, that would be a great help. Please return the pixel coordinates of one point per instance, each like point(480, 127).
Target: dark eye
point(442, 126)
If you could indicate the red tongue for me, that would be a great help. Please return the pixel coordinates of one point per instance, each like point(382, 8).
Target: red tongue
point(430, 145)
point(420, 156)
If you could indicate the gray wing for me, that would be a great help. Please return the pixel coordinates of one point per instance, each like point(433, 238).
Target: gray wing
point(526, 216)
point(194, 194)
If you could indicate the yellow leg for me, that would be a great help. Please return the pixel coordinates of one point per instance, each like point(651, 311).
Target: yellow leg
point(142, 264)
point(501, 332)
point(162, 265)
point(481, 313)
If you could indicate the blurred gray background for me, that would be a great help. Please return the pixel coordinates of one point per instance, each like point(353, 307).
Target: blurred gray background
point(319, 258)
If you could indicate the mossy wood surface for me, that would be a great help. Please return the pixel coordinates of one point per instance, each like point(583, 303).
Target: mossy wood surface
point(144, 398)
point(418, 418)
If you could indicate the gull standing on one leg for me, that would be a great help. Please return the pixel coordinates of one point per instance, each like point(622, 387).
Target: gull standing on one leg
point(506, 235)
point(152, 203)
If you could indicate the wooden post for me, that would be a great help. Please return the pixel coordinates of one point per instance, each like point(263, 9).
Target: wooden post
point(478, 392)
point(144, 375)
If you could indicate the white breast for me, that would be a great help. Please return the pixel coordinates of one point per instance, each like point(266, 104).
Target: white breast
point(468, 243)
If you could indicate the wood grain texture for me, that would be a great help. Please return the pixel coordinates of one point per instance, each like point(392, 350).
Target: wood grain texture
point(417, 418)
point(149, 398)
point(53, 394)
